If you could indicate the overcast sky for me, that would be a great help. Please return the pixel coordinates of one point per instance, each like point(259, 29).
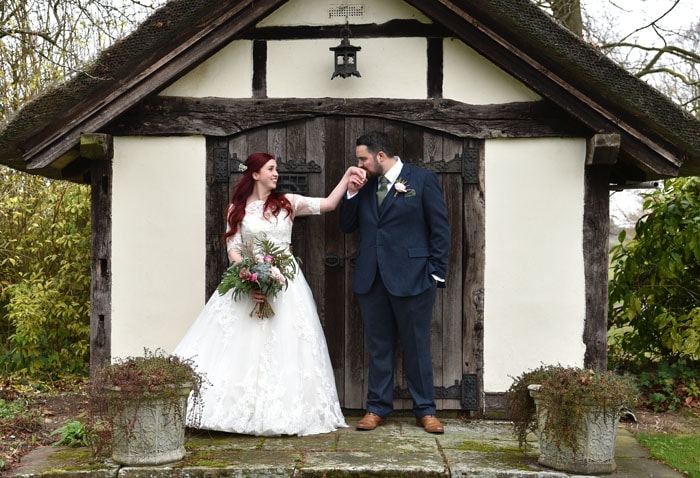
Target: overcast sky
point(628, 15)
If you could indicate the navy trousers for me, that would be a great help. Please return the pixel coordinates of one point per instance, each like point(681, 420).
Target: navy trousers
point(385, 317)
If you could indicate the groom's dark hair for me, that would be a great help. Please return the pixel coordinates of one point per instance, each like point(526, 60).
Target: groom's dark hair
point(376, 141)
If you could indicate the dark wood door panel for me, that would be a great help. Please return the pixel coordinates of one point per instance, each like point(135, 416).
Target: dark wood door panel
point(329, 144)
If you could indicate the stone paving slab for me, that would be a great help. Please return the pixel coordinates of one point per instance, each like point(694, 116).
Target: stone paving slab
point(384, 463)
point(493, 464)
point(467, 449)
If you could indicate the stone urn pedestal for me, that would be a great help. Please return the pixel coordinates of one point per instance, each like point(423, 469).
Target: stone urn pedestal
point(150, 431)
point(595, 438)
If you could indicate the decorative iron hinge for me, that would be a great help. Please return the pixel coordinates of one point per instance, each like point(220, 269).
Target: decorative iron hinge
point(291, 166)
point(452, 166)
point(466, 391)
point(225, 165)
point(467, 165)
point(470, 165)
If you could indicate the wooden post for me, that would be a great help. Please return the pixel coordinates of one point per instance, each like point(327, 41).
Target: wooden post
point(217, 197)
point(473, 284)
point(600, 156)
point(101, 264)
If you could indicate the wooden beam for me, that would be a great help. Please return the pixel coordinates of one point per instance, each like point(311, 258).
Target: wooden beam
point(602, 149)
point(259, 69)
point(435, 67)
point(66, 158)
point(392, 29)
point(224, 117)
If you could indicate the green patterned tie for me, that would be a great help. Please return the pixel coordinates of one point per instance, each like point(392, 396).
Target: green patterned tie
point(381, 192)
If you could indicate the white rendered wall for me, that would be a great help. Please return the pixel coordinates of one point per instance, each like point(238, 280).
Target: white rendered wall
point(534, 278)
point(390, 68)
point(470, 78)
point(227, 74)
point(158, 238)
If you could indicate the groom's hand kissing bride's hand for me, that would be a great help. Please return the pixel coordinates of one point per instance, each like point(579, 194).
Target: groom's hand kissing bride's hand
point(358, 179)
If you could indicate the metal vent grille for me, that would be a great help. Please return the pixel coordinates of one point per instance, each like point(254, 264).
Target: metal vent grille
point(343, 11)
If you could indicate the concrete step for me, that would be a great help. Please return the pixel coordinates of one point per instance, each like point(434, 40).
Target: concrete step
point(473, 448)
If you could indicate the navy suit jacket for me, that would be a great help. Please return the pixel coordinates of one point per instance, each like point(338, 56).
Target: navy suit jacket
point(407, 239)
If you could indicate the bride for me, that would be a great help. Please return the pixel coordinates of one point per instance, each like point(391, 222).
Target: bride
point(270, 376)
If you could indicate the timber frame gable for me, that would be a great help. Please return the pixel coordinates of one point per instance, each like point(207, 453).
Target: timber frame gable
point(583, 92)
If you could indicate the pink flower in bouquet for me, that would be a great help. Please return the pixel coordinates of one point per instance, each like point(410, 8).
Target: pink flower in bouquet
point(244, 274)
point(276, 275)
point(266, 269)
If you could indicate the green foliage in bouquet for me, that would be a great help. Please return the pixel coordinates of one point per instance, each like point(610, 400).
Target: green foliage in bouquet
point(266, 267)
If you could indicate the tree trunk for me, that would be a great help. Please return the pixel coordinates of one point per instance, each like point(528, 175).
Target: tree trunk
point(569, 13)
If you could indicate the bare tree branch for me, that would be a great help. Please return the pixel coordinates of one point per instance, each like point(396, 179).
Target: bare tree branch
point(43, 42)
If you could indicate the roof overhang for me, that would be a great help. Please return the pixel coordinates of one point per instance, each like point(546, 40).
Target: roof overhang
point(648, 148)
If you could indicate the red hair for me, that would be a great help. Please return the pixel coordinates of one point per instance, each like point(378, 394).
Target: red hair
point(274, 203)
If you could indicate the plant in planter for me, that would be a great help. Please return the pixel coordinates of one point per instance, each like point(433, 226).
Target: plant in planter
point(575, 412)
point(139, 408)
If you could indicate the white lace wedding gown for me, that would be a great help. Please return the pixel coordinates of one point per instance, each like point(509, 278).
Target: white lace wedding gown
point(266, 376)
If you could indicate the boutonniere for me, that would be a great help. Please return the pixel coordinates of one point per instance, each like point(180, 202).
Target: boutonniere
point(402, 187)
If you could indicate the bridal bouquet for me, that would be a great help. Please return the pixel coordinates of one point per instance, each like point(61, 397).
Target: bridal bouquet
point(265, 267)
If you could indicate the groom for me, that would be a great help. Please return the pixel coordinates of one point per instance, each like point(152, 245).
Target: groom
point(401, 260)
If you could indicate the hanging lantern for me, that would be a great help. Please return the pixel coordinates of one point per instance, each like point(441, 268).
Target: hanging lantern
point(345, 57)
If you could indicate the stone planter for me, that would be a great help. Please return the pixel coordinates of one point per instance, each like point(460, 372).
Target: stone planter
point(596, 437)
point(150, 431)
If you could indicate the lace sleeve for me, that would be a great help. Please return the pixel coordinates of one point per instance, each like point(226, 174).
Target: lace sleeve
point(305, 206)
point(234, 242)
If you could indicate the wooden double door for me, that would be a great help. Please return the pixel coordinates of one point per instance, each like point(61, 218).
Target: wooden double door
point(312, 155)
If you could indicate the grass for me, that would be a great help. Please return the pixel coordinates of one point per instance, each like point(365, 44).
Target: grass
point(680, 452)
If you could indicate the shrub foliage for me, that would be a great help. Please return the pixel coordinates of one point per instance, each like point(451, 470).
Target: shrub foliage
point(44, 276)
point(654, 309)
point(655, 286)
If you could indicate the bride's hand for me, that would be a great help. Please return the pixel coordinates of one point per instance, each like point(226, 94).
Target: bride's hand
point(257, 296)
point(357, 172)
point(357, 179)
